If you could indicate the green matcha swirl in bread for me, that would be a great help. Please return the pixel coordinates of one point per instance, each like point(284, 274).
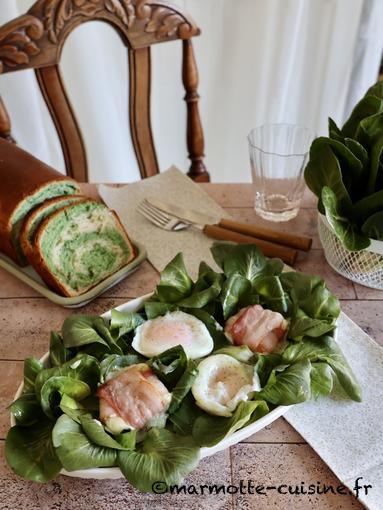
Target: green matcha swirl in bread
point(80, 245)
point(17, 220)
point(38, 215)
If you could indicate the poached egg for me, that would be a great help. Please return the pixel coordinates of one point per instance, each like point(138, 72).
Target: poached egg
point(222, 382)
point(157, 335)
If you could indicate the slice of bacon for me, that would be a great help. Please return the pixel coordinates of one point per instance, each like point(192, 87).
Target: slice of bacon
point(261, 330)
point(135, 394)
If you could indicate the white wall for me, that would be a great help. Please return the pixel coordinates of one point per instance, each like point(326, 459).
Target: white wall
point(259, 61)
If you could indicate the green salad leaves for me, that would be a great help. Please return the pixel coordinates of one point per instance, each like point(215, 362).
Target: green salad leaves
point(57, 414)
point(345, 171)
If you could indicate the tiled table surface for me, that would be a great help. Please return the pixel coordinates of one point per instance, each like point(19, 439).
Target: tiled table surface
point(276, 455)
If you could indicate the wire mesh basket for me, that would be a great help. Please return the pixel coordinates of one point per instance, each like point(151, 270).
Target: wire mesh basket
point(364, 267)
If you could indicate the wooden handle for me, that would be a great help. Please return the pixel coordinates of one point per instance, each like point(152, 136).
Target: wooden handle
point(294, 241)
point(288, 255)
point(5, 123)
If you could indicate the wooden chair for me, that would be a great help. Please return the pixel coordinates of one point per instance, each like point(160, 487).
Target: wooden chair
point(35, 41)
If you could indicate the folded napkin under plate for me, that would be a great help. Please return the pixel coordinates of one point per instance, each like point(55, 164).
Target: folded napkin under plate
point(347, 435)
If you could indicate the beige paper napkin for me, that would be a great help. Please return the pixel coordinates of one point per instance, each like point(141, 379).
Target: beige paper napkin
point(170, 186)
point(347, 435)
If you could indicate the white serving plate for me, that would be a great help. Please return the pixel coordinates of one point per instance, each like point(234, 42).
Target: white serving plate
point(114, 472)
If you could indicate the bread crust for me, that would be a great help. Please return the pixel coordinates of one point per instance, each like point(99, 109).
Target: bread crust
point(21, 176)
point(24, 241)
point(38, 262)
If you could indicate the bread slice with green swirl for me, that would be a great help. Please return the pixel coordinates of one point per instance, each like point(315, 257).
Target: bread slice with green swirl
point(78, 246)
point(37, 216)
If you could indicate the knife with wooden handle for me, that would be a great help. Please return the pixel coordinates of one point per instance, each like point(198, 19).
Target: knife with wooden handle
point(293, 241)
point(285, 253)
point(221, 231)
point(299, 242)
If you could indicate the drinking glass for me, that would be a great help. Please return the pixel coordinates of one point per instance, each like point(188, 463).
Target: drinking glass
point(278, 156)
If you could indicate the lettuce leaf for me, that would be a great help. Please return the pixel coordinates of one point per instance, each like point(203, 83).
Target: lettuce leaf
point(243, 259)
point(241, 353)
point(345, 171)
point(79, 330)
point(209, 430)
point(115, 362)
point(299, 285)
point(326, 349)
point(323, 169)
point(367, 206)
point(265, 364)
point(32, 367)
point(288, 385)
point(162, 456)
point(26, 409)
point(29, 452)
point(123, 322)
point(367, 106)
point(233, 291)
point(75, 409)
point(321, 380)
point(128, 440)
point(373, 226)
point(184, 417)
point(302, 325)
point(96, 433)
point(321, 304)
point(58, 353)
point(55, 387)
point(205, 289)
point(154, 308)
point(81, 368)
point(170, 365)
point(315, 309)
point(370, 135)
point(271, 293)
point(347, 231)
point(75, 450)
point(175, 283)
point(334, 132)
point(183, 386)
point(351, 167)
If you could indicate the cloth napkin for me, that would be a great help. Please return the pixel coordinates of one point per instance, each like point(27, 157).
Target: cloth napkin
point(347, 435)
point(170, 186)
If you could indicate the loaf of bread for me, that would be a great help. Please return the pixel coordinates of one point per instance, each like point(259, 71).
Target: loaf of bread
point(78, 246)
point(25, 183)
point(38, 215)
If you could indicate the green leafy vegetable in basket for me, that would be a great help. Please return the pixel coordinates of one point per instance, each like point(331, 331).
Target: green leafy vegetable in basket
point(345, 171)
point(144, 391)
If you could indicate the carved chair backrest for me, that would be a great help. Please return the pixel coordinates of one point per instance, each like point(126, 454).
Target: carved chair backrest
point(35, 41)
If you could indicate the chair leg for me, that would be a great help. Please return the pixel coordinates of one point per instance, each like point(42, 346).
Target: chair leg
point(5, 123)
point(195, 139)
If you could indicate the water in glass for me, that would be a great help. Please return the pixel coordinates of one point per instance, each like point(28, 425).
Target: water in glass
point(278, 156)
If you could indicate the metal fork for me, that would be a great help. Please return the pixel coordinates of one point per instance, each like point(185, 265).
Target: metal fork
point(160, 218)
point(171, 223)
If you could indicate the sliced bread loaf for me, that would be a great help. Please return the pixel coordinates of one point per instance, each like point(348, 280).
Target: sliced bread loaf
point(78, 246)
point(25, 183)
point(37, 216)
